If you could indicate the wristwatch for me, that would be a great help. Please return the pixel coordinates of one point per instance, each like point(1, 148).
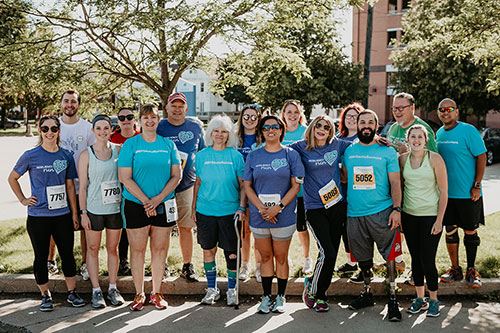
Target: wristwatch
point(477, 184)
point(397, 208)
point(281, 206)
point(83, 211)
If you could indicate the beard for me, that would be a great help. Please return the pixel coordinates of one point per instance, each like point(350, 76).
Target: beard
point(70, 113)
point(366, 138)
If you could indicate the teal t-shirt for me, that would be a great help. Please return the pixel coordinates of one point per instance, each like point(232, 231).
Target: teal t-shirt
point(219, 192)
point(459, 148)
point(292, 137)
point(368, 168)
point(150, 163)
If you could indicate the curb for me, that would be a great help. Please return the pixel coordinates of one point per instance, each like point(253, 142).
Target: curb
point(25, 283)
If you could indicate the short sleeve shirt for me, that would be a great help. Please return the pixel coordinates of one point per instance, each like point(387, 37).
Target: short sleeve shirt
point(118, 138)
point(292, 137)
point(459, 148)
point(249, 144)
point(396, 132)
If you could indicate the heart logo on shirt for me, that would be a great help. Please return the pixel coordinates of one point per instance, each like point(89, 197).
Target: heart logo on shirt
point(330, 157)
point(185, 136)
point(278, 163)
point(60, 165)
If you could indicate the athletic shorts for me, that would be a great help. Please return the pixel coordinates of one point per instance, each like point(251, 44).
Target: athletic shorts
point(362, 231)
point(277, 234)
point(135, 216)
point(216, 230)
point(464, 213)
point(184, 202)
point(109, 221)
point(301, 215)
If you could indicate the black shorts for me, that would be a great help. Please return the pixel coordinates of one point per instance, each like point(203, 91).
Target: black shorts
point(109, 221)
point(301, 215)
point(135, 216)
point(78, 212)
point(215, 230)
point(464, 213)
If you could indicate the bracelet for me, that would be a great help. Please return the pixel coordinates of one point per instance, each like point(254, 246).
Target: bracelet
point(242, 208)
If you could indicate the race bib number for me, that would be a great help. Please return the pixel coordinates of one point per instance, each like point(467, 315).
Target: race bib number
point(330, 194)
point(364, 178)
point(270, 200)
point(184, 157)
point(111, 192)
point(56, 197)
point(171, 208)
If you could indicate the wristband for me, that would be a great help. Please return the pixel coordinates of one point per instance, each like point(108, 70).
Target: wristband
point(397, 208)
point(83, 211)
point(477, 184)
point(242, 208)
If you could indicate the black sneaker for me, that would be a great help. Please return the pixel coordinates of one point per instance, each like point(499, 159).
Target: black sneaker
point(124, 268)
point(393, 310)
point(364, 300)
point(75, 299)
point(358, 278)
point(346, 268)
point(47, 303)
point(188, 273)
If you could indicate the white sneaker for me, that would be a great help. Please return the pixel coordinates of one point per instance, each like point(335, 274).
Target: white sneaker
point(308, 265)
point(231, 297)
point(84, 272)
point(212, 296)
point(245, 271)
point(53, 270)
point(256, 272)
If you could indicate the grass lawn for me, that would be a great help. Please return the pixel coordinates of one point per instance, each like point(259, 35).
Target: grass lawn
point(16, 255)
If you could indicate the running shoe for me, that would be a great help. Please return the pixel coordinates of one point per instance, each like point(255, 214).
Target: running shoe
point(47, 303)
point(307, 297)
point(245, 271)
point(256, 272)
point(409, 280)
point(166, 273)
point(231, 297)
point(433, 308)
point(115, 297)
point(124, 268)
point(158, 301)
point(321, 306)
point(279, 304)
point(364, 300)
point(358, 278)
point(452, 275)
point(265, 304)
point(393, 310)
point(97, 300)
point(473, 278)
point(188, 273)
point(138, 303)
point(400, 266)
point(347, 268)
point(84, 272)
point(419, 304)
point(212, 296)
point(52, 267)
point(308, 265)
point(75, 299)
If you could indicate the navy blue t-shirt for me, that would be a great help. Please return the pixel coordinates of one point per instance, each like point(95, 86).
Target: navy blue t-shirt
point(249, 144)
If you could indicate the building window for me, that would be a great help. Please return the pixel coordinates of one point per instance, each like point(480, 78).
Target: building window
point(406, 5)
point(202, 87)
point(202, 107)
point(391, 37)
point(392, 6)
point(219, 103)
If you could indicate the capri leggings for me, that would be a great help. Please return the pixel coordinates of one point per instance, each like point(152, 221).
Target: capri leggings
point(423, 247)
point(61, 228)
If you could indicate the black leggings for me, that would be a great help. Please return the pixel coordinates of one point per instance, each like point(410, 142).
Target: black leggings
point(423, 247)
point(326, 227)
point(61, 229)
point(123, 246)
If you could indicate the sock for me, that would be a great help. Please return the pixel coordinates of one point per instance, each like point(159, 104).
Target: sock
point(111, 286)
point(94, 290)
point(282, 286)
point(211, 273)
point(231, 279)
point(267, 283)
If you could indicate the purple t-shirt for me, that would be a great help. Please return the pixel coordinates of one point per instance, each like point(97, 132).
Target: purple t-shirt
point(270, 174)
point(48, 173)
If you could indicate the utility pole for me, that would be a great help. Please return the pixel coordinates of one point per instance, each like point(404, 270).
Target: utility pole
point(368, 50)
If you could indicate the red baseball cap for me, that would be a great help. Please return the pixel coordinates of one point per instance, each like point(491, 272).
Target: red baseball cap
point(177, 96)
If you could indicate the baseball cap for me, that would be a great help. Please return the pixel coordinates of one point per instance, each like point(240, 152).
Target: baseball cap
point(177, 96)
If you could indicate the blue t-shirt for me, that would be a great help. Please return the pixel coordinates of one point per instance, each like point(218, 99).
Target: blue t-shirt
point(47, 171)
point(292, 137)
point(352, 139)
point(321, 166)
point(219, 192)
point(188, 138)
point(368, 188)
point(150, 163)
point(270, 175)
point(459, 148)
point(249, 144)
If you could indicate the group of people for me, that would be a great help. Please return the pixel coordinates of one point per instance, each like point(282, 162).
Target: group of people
point(277, 175)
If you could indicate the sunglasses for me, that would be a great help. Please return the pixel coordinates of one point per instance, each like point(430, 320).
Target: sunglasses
point(266, 128)
point(292, 101)
point(251, 117)
point(326, 127)
point(53, 129)
point(447, 109)
point(128, 117)
point(400, 108)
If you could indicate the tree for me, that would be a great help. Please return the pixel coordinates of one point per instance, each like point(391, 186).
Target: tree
point(451, 50)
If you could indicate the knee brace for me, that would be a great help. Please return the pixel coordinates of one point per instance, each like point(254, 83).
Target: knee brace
point(472, 240)
point(231, 262)
point(452, 234)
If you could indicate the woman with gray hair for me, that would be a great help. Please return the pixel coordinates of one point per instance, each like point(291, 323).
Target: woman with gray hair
point(218, 199)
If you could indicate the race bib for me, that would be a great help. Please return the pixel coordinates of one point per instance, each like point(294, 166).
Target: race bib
point(111, 192)
point(364, 178)
point(330, 194)
point(270, 200)
point(56, 197)
point(171, 208)
point(183, 157)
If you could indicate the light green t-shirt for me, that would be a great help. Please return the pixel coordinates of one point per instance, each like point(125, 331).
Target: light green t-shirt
point(396, 132)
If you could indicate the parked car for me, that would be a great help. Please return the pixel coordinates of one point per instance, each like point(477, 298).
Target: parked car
point(9, 123)
point(491, 137)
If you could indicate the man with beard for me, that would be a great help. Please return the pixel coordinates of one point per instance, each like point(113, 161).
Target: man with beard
point(464, 154)
point(373, 207)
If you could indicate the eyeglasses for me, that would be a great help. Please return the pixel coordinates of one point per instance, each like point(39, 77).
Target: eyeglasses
point(251, 117)
point(326, 127)
point(447, 109)
point(53, 129)
point(351, 116)
point(266, 128)
point(128, 117)
point(400, 108)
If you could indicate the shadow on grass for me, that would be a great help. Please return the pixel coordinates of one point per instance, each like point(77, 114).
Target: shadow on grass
point(16, 232)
